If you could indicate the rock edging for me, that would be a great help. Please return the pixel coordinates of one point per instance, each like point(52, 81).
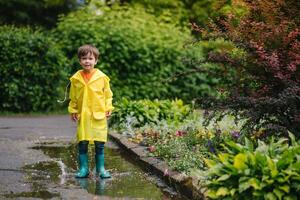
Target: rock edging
point(183, 184)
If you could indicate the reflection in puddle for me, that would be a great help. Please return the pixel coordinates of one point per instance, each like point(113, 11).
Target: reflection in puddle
point(128, 180)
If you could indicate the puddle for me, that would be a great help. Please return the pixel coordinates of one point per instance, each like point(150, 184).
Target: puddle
point(44, 194)
point(128, 180)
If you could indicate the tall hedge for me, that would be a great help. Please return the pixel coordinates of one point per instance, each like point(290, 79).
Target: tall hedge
point(31, 70)
point(138, 51)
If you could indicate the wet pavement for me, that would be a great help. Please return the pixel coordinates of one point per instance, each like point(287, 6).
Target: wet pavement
point(38, 161)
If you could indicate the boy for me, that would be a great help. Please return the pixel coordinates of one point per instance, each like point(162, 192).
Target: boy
point(90, 105)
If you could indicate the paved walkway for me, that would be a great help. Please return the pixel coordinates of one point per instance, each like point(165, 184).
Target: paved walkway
point(17, 135)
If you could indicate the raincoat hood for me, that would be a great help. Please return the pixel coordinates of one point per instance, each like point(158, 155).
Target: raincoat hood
point(98, 74)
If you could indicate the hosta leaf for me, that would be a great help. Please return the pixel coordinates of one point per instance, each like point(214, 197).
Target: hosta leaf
point(285, 160)
point(216, 170)
point(249, 145)
point(212, 194)
point(223, 157)
point(278, 193)
point(258, 194)
point(281, 178)
point(292, 137)
point(245, 183)
point(269, 181)
point(284, 188)
point(210, 163)
point(247, 172)
point(289, 172)
point(240, 161)
point(235, 147)
point(260, 160)
point(244, 186)
point(262, 147)
point(252, 159)
point(222, 191)
point(233, 191)
point(290, 197)
point(272, 167)
point(229, 168)
point(255, 183)
point(224, 177)
point(296, 166)
point(296, 177)
point(270, 196)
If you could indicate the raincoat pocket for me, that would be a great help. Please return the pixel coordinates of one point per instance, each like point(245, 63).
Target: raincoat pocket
point(98, 120)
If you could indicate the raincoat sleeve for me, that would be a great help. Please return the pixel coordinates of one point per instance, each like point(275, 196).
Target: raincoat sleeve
point(108, 96)
point(73, 103)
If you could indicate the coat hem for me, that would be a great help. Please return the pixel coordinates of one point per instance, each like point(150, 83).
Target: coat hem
point(91, 141)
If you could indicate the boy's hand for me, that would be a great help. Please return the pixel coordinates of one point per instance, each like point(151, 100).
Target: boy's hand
point(108, 113)
point(74, 117)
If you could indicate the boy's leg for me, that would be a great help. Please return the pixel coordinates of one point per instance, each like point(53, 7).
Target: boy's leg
point(83, 171)
point(99, 159)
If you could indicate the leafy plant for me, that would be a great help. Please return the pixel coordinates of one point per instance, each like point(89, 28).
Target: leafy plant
point(32, 69)
point(269, 171)
point(147, 111)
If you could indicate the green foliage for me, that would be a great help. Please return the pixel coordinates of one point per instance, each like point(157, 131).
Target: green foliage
point(200, 78)
point(169, 11)
point(184, 11)
point(34, 12)
point(269, 171)
point(205, 10)
point(32, 68)
point(146, 111)
point(139, 52)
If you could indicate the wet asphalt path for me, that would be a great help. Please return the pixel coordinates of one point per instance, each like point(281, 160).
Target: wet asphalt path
point(17, 135)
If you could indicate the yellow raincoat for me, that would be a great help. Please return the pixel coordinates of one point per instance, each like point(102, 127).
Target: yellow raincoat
point(90, 101)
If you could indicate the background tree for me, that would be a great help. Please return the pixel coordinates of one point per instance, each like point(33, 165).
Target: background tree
point(35, 12)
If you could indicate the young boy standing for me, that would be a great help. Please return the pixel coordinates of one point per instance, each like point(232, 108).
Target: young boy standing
point(90, 105)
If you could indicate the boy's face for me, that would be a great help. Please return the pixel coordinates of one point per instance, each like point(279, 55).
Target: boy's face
point(88, 62)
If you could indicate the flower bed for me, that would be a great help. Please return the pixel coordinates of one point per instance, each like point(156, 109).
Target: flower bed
point(173, 133)
point(227, 165)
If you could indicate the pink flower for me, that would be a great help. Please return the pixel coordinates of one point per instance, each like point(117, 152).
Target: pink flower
point(180, 133)
point(151, 149)
point(166, 172)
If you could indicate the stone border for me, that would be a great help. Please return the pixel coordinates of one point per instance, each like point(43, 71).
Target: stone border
point(185, 185)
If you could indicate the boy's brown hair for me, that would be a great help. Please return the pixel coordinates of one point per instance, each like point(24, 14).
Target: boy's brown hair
point(86, 49)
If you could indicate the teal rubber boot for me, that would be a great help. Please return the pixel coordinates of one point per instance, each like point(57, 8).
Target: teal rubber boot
point(83, 171)
point(100, 170)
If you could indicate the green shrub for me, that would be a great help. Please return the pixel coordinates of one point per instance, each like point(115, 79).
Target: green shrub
point(139, 51)
point(269, 171)
point(147, 111)
point(32, 68)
